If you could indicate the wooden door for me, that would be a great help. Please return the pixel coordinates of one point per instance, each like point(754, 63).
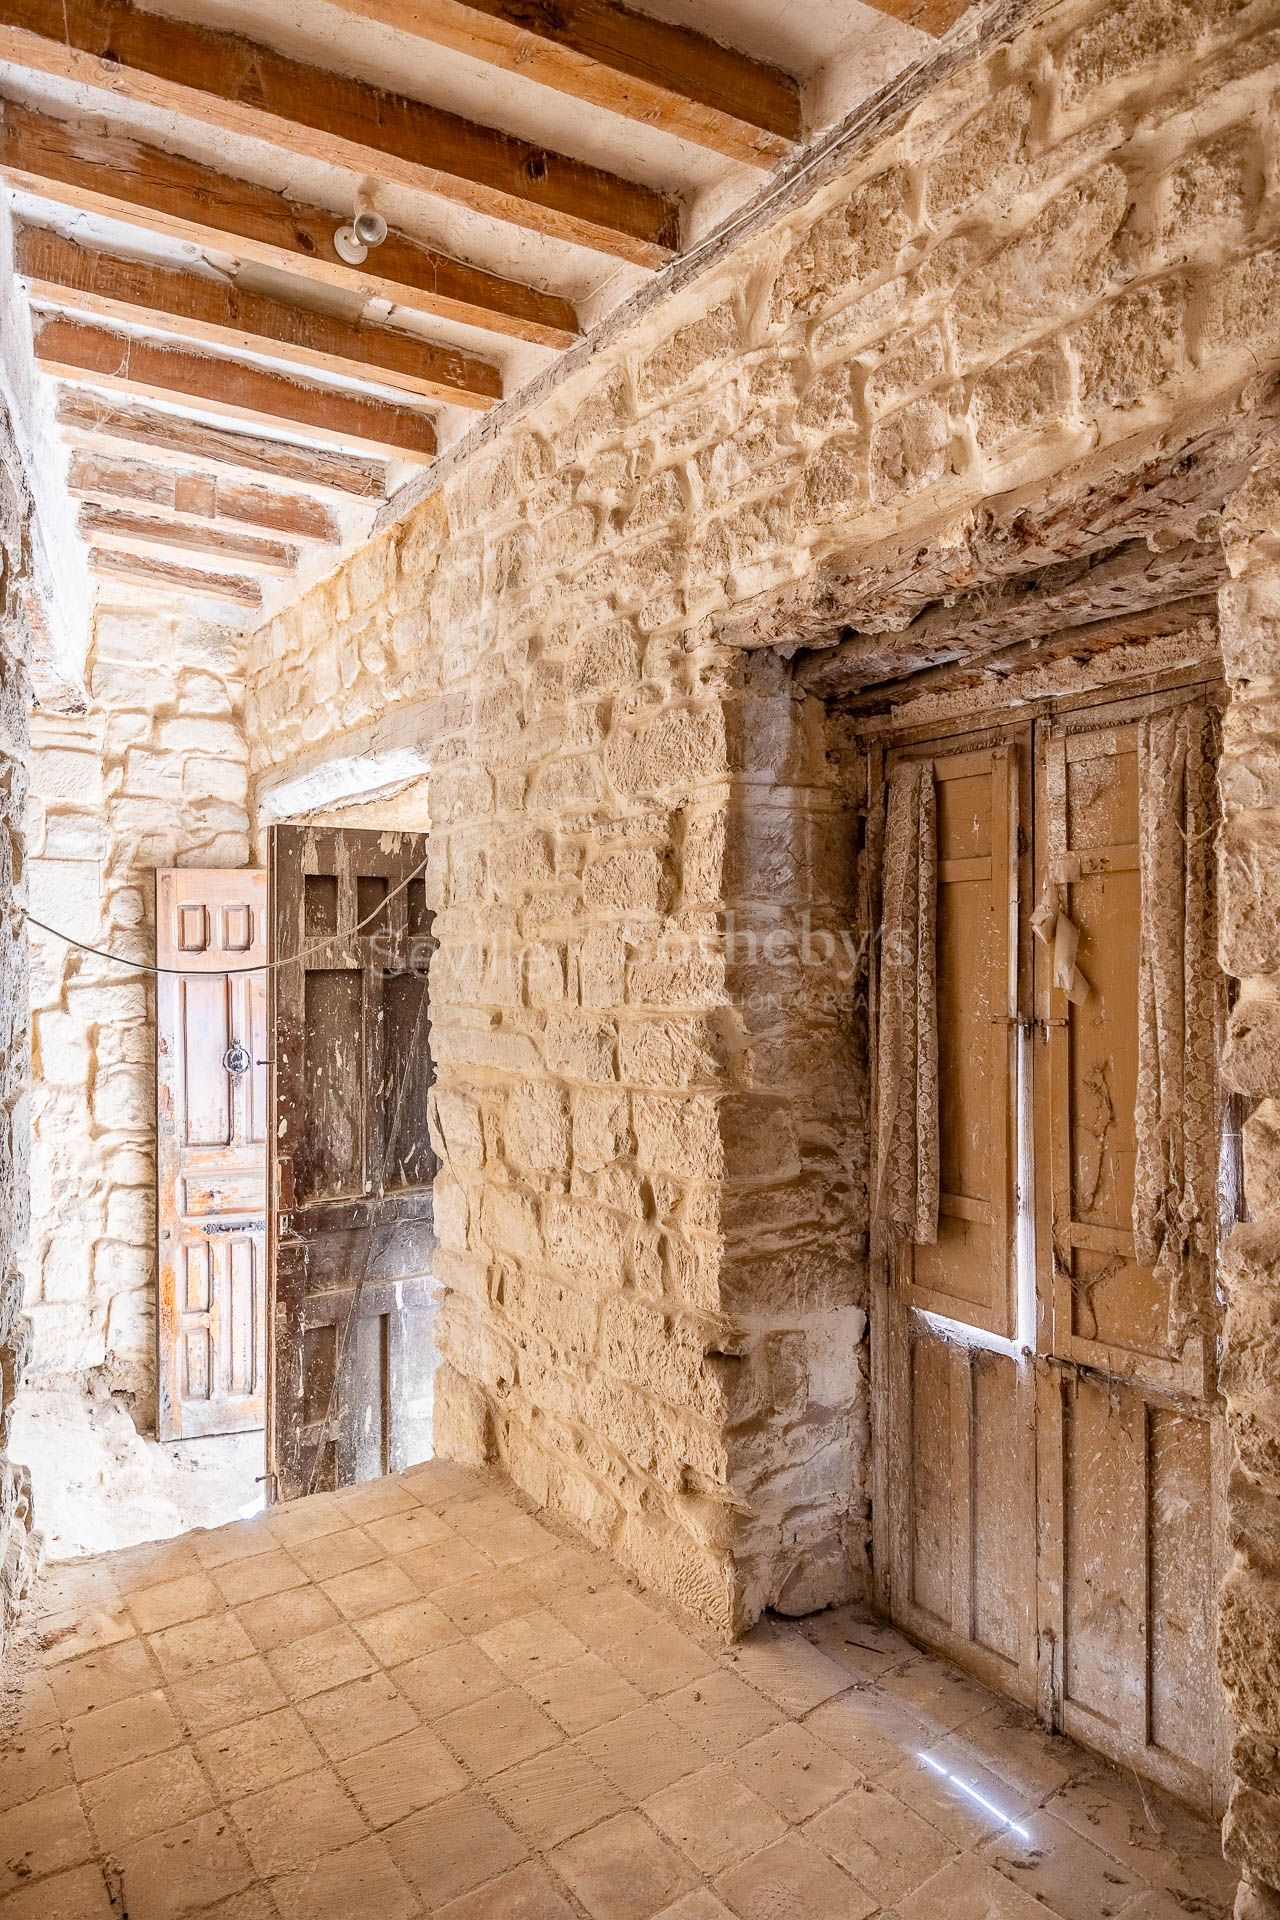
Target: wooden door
point(1131, 1451)
point(960, 1406)
point(211, 1150)
point(352, 1166)
point(1050, 1468)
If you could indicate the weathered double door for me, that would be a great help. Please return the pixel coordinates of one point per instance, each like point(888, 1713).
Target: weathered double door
point(1050, 1466)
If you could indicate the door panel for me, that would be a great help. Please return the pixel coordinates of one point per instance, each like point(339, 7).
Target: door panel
point(1053, 1477)
point(352, 1235)
point(211, 1134)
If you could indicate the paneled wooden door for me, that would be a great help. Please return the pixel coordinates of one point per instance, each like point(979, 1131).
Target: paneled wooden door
point(211, 1150)
point(1051, 1471)
point(351, 1220)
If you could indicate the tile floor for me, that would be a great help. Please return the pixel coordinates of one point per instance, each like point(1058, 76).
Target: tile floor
point(415, 1698)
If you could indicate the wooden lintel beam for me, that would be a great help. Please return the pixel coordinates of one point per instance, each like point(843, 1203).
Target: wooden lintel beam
point(121, 528)
point(91, 419)
point(241, 86)
point(629, 63)
point(120, 363)
point(204, 311)
point(197, 499)
point(162, 576)
point(143, 186)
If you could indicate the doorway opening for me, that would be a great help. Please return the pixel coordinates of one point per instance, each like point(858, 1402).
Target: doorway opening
point(290, 1200)
point(1050, 1508)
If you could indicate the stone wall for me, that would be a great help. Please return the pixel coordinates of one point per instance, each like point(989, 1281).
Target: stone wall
point(152, 774)
point(981, 339)
point(19, 1545)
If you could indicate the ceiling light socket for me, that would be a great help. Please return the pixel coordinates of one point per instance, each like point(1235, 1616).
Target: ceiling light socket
point(367, 228)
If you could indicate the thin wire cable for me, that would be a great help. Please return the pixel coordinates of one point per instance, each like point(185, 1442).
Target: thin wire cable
point(265, 966)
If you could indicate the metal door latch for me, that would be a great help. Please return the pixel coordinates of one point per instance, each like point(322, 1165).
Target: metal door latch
point(237, 1059)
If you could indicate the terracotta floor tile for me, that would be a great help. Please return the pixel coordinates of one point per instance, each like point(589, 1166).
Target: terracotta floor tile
point(335, 1553)
point(184, 1870)
point(199, 1644)
point(69, 1635)
point(42, 1836)
point(715, 1819)
point(188, 1598)
point(554, 1795)
point(887, 1848)
point(498, 1731)
point(1059, 1867)
point(722, 1712)
point(444, 1566)
point(401, 1776)
point(406, 1632)
point(584, 1694)
point(484, 1601)
point(453, 1847)
point(354, 1883)
point(361, 1713)
point(376, 1499)
point(603, 1617)
point(254, 1754)
point(33, 1762)
point(622, 1870)
point(371, 1589)
point(319, 1661)
point(643, 1752)
point(968, 1889)
point(220, 1696)
point(306, 1519)
point(290, 1614)
point(241, 1540)
point(794, 1771)
point(526, 1893)
point(79, 1895)
point(256, 1576)
point(441, 1682)
point(870, 1730)
point(784, 1665)
point(660, 1659)
point(145, 1797)
point(796, 1878)
point(286, 1828)
point(531, 1645)
point(408, 1532)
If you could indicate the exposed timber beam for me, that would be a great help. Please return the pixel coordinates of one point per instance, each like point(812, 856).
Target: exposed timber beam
point(211, 312)
point(197, 499)
point(175, 582)
point(242, 86)
point(1031, 606)
point(91, 419)
point(141, 185)
point(121, 529)
point(69, 350)
point(644, 69)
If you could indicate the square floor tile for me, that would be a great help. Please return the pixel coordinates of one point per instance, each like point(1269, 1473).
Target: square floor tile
point(622, 1870)
point(198, 1644)
point(498, 1731)
point(97, 1679)
point(969, 1890)
point(796, 1878)
point(188, 1598)
point(335, 1553)
point(526, 1893)
point(439, 1683)
point(254, 1754)
point(184, 1870)
point(319, 1661)
point(372, 1589)
point(360, 1880)
point(794, 1771)
point(42, 1836)
point(453, 1847)
point(406, 1632)
point(715, 1819)
point(221, 1696)
point(287, 1827)
point(359, 1714)
point(530, 1645)
point(256, 1576)
point(722, 1713)
point(554, 1795)
point(886, 1847)
point(145, 1797)
point(643, 1752)
point(584, 1694)
point(289, 1614)
point(401, 1776)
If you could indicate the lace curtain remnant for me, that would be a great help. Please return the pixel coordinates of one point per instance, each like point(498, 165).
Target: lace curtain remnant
point(906, 1173)
point(1174, 1194)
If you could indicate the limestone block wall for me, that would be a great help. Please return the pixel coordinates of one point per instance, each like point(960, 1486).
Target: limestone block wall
point(1250, 1378)
point(19, 1544)
point(1020, 285)
point(152, 774)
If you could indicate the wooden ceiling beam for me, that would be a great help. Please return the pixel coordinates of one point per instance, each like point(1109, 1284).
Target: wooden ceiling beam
point(243, 87)
point(197, 499)
point(123, 529)
point(207, 383)
point(141, 185)
point(163, 576)
point(208, 312)
point(647, 70)
point(88, 418)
